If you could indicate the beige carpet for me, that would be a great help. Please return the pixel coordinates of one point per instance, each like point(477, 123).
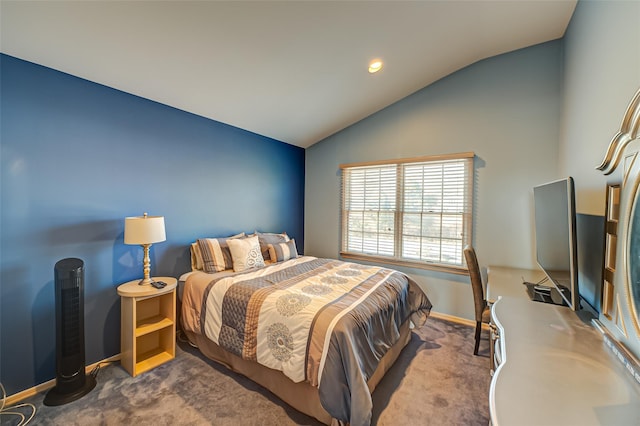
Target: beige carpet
point(436, 381)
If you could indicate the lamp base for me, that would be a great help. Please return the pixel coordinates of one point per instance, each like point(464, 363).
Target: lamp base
point(147, 266)
point(145, 281)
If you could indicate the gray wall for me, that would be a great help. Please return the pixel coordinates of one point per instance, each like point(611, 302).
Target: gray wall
point(530, 116)
point(601, 74)
point(506, 109)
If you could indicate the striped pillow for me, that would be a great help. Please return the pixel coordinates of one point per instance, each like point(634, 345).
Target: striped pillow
point(196, 257)
point(283, 251)
point(216, 256)
point(267, 238)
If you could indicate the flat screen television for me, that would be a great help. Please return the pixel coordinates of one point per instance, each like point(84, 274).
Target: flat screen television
point(556, 239)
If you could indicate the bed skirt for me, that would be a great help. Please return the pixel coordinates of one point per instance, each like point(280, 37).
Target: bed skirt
point(301, 396)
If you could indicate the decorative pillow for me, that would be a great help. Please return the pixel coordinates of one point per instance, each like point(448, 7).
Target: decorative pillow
point(196, 257)
point(283, 251)
point(269, 238)
point(215, 253)
point(246, 253)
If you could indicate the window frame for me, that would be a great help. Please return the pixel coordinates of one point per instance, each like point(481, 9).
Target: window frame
point(467, 214)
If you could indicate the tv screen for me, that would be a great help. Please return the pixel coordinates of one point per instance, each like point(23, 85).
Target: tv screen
point(556, 242)
point(590, 231)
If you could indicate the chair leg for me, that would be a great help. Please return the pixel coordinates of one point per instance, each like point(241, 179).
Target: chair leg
point(478, 330)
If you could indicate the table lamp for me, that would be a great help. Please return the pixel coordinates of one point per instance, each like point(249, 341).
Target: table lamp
point(144, 230)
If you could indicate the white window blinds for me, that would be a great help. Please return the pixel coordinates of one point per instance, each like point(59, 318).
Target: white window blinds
point(370, 206)
point(416, 211)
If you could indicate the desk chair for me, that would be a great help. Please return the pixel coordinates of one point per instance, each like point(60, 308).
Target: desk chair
point(483, 314)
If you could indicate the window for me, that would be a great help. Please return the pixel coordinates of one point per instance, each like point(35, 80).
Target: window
point(414, 211)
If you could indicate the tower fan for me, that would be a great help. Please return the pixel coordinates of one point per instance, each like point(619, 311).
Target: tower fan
point(71, 381)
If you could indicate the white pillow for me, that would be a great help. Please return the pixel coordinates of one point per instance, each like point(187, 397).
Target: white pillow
point(246, 253)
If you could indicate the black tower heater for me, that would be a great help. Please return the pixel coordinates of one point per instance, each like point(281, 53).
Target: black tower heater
point(71, 381)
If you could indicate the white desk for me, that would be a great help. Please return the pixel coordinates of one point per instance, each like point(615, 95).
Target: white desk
point(505, 281)
point(555, 369)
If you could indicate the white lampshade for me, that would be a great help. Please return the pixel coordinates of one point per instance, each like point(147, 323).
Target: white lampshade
point(144, 229)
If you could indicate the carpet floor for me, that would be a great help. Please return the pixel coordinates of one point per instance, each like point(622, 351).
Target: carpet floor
point(436, 381)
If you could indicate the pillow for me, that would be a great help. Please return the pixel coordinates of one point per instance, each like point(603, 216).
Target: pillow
point(269, 238)
point(246, 253)
point(196, 257)
point(215, 253)
point(283, 251)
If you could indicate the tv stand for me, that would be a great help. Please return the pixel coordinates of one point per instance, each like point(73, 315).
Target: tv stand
point(546, 353)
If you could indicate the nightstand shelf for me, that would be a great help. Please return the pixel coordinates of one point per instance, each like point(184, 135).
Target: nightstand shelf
point(152, 359)
point(148, 325)
point(152, 324)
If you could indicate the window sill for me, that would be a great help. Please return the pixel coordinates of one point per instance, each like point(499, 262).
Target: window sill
point(459, 270)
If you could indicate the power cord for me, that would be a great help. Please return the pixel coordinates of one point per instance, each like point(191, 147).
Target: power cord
point(182, 338)
point(96, 369)
point(23, 419)
point(4, 411)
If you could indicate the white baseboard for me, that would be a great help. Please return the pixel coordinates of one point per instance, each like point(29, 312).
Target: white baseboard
point(28, 393)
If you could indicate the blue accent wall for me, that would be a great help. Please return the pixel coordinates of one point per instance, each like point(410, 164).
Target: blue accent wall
point(77, 157)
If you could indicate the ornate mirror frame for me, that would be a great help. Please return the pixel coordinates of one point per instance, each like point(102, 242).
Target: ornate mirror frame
point(624, 150)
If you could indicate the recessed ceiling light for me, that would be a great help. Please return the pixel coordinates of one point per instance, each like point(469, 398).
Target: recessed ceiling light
point(375, 66)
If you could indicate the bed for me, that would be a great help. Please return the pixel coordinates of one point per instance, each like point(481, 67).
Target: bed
point(318, 333)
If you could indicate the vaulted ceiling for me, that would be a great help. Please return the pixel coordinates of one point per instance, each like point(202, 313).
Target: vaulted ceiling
point(295, 71)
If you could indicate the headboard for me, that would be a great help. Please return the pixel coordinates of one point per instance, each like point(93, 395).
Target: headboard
point(622, 317)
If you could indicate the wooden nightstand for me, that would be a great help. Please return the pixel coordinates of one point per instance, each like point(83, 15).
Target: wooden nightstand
point(148, 329)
